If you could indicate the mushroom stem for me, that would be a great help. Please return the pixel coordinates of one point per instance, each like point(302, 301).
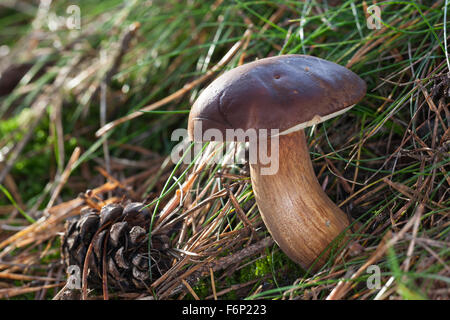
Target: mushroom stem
point(299, 215)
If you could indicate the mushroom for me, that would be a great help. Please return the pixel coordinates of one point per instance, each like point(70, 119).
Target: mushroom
point(284, 94)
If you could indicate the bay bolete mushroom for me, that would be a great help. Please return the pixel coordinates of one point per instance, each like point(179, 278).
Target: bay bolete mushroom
point(286, 93)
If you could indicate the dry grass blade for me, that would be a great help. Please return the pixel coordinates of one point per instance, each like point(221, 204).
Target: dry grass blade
point(226, 58)
point(388, 241)
point(194, 274)
point(9, 293)
point(64, 176)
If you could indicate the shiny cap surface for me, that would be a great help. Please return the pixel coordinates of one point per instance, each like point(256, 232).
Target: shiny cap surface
point(283, 92)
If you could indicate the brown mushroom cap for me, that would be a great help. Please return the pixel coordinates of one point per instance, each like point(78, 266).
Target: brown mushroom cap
point(283, 92)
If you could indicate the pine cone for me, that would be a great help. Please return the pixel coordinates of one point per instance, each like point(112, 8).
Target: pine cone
point(124, 231)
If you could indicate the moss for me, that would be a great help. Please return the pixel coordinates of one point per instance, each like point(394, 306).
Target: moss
point(273, 269)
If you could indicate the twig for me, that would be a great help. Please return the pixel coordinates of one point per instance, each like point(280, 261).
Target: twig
point(222, 264)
